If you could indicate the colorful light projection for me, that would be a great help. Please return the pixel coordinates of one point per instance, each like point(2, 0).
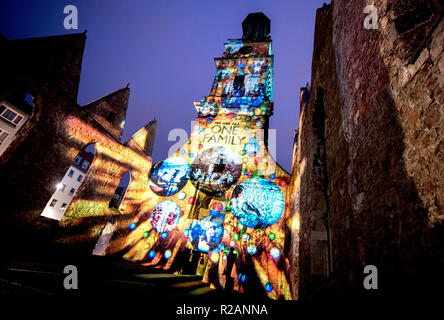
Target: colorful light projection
point(207, 110)
point(169, 176)
point(165, 216)
point(235, 183)
point(216, 170)
point(257, 203)
point(206, 234)
point(251, 147)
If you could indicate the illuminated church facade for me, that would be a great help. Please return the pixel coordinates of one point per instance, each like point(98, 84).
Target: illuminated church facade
point(220, 200)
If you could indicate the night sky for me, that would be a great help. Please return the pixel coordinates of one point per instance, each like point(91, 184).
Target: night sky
point(165, 50)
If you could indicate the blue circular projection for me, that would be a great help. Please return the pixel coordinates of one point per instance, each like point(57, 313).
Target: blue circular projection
point(257, 203)
point(251, 248)
point(167, 254)
point(152, 254)
point(251, 147)
point(268, 287)
point(169, 176)
point(275, 253)
point(206, 234)
point(132, 226)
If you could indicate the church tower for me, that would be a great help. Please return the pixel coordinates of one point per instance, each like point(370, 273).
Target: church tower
point(217, 206)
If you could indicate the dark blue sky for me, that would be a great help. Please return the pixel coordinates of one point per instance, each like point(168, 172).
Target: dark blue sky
point(165, 50)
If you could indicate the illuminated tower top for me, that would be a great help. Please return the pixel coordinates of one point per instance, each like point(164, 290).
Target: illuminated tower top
point(243, 84)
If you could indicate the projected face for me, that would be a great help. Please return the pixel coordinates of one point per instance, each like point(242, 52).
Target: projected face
point(257, 203)
point(216, 170)
point(206, 234)
point(208, 110)
point(169, 176)
point(165, 216)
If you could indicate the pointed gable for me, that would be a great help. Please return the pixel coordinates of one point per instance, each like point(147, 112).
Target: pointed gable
point(143, 140)
point(110, 111)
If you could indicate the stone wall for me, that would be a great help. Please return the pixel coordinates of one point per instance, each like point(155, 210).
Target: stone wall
point(43, 151)
point(383, 144)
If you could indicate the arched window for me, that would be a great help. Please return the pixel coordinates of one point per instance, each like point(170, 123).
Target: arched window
point(120, 191)
point(66, 189)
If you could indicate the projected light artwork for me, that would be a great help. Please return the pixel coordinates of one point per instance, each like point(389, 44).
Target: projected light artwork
point(165, 216)
point(251, 248)
point(257, 203)
point(169, 176)
point(216, 170)
point(208, 110)
point(275, 253)
point(206, 234)
point(221, 193)
point(251, 147)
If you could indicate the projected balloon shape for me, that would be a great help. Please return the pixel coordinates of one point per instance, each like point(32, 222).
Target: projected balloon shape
point(206, 234)
point(251, 248)
point(257, 203)
point(215, 170)
point(165, 216)
point(169, 176)
point(275, 253)
point(215, 257)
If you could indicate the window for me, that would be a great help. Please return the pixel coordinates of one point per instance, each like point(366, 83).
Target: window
point(79, 178)
point(17, 119)
point(70, 173)
point(53, 203)
point(239, 82)
point(63, 206)
point(85, 164)
point(71, 192)
point(2, 108)
point(9, 114)
point(3, 136)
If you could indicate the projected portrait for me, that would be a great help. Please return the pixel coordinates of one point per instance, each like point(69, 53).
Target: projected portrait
point(169, 176)
point(207, 109)
point(257, 203)
point(215, 170)
point(165, 216)
point(206, 234)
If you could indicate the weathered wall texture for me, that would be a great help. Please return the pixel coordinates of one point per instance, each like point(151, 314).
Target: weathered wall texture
point(58, 129)
point(383, 130)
